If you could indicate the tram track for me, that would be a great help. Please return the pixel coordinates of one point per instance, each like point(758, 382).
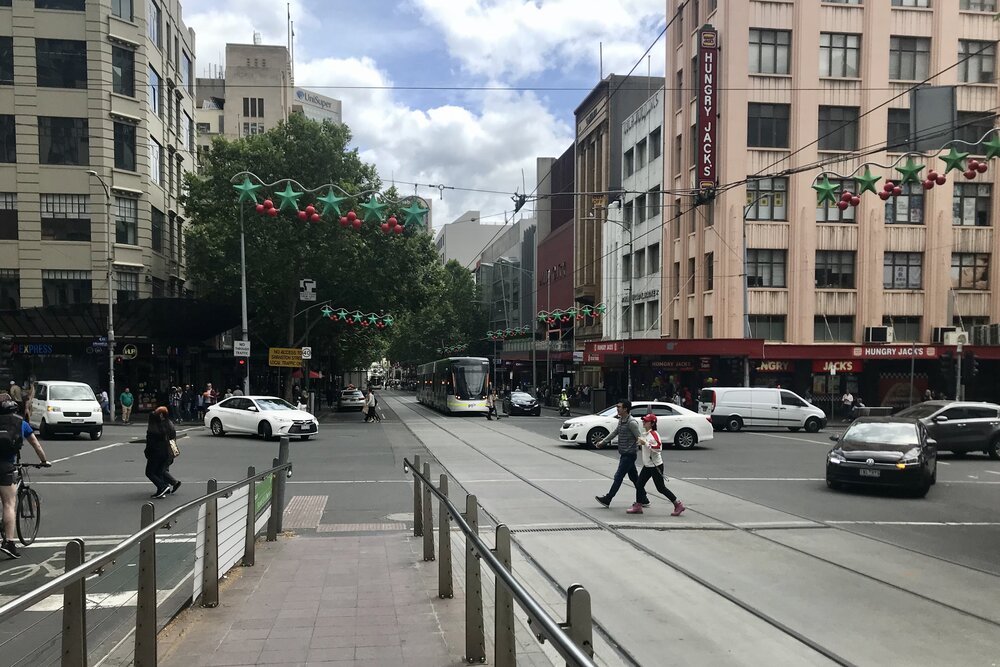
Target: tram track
point(618, 533)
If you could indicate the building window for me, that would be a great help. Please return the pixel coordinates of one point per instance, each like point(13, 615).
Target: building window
point(628, 162)
point(905, 328)
point(653, 202)
point(123, 71)
point(155, 161)
point(8, 138)
point(153, 21)
point(125, 146)
point(970, 271)
point(10, 289)
point(628, 212)
point(972, 127)
point(902, 270)
point(126, 221)
point(838, 128)
point(691, 272)
point(8, 218)
point(253, 107)
point(972, 204)
point(155, 101)
point(655, 144)
point(966, 323)
point(158, 223)
point(767, 125)
point(678, 152)
point(653, 259)
point(180, 176)
point(835, 269)
point(907, 208)
point(186, 79)
point(769, 51)
point(640, 209)
point(626, 267)
point(708, 333)
point(844, 2)
point(911, 3)
point(678, 90)
point(709, 271)
point(677, 279)
point(157, 288)
point(639, 263)
point(766, 268)
point(839, 55)
point(978, 5)
point(976, 61)
point(767, 199)
point(768, 327)
point(653, 315)
point(640, 153)
point(898, 131)
point(827, 212)
point(638, 319)
point(122, 9)
point(61, 288)
point(63, 140)
point(126, 285)
point(909, 58)
point(66, 5)
point(6, 60)
point(65, 217)
point(833, 328)
point(250, 129)
point(186, 136)
point(61, 63)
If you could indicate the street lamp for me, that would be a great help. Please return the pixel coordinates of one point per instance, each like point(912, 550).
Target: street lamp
point(628, 308)
point(111, 297)
point(746, 283)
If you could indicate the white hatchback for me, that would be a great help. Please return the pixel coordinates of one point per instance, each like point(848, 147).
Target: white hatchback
point(59, 406)
point(679, 426)
point(267, 416)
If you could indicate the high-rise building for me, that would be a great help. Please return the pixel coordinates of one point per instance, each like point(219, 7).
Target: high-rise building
point(464, 239)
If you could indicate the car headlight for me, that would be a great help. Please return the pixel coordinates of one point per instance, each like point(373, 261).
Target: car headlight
point(53, 408)
point(911, 457)
point(836, 457)
point(571, 425)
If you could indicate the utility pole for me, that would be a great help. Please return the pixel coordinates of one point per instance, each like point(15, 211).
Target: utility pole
point(958, 371)
point(548, 343)
point(111, 296)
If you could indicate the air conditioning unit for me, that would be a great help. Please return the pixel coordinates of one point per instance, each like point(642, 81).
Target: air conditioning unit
point(980, 334)
point(879, 335)
point(956, 338)
point(938, 334)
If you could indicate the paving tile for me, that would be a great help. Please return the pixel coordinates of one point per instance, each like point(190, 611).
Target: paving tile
point(296, 655)
point(219, 659)
point(387, 654)
point(331, 654)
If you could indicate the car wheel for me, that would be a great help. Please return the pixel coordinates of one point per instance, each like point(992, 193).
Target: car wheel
point(538, 412)
point(96, 435)
point(217, 429)
point(934, 475)
point(794, 429)
point(264, 430)
point(44, 430)
point(812, 425)
point(921, 491)
point(595, 435)
point(734, 424)
point(993, 451)
point(685, 439)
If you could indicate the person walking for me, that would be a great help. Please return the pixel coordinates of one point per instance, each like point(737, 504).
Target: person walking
point(159, 432)
point(175, 404)
point(17, 396)
point(847, 403)
point(105, 402)
point(491, 406)
point(373, 406)
point(126, 399)
point(652, 468)
point(627, 433)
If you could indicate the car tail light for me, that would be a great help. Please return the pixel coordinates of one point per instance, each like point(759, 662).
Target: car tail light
point(708, 419)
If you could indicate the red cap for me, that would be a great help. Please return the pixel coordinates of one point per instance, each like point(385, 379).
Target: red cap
point(649, 417)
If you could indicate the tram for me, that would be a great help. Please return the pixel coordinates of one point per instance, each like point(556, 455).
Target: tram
point(454, 385)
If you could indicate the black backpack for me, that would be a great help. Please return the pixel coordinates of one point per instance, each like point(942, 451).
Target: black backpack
point(10, 435)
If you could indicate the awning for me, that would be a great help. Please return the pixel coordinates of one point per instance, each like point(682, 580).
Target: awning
point(313, 375)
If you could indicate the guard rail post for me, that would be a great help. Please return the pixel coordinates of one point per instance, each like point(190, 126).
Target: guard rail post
point(428, 519)
point(279, 481)
point(475, 634)
point(210, 570)
point(74, 617)
point(418, 517)
point(579, 623)
point(272, 519)
point(504, 647)
point(250, 541)
point(445, 585)
point(145, 605)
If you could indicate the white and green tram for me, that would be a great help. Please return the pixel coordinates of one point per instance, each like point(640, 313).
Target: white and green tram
point(454, 385)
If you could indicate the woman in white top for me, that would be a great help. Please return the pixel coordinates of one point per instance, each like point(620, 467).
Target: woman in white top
point(652, 467)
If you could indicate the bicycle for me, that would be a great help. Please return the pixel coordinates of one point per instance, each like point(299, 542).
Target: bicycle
point(28, 508)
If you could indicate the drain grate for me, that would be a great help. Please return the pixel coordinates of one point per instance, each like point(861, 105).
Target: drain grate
point(562, 529)
point(363, 527)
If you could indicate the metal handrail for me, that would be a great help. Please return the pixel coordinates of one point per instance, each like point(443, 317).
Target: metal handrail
point(550, 628)
point(99, 561)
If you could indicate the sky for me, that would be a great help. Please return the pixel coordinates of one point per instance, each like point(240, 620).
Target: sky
point(367, 53)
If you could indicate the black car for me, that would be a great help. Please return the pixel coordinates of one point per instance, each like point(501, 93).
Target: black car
point(960, 426)
point(883, 451)
point(521, 403)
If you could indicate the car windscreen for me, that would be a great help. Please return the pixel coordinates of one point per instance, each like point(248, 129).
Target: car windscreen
point(919, 411)
point(888, 436)
point(273, 404)
point(610, 412)
point(351, 394)
point(470, 378)
point(521, 396)
point(70, 393)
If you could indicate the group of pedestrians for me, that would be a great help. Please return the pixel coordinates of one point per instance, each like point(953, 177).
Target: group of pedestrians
point(370, 408)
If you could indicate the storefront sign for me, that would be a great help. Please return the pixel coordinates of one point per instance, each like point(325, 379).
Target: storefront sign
point(775, 366)
point(849, 366)
point(614, 347)
point(704, 363)
point(708, 71)
point(31, 348)
point(641, 296)
point(674, 364)
point(130, 351)
point(893, 352)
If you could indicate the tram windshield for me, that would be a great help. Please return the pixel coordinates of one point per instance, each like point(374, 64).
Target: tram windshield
point(470, 378)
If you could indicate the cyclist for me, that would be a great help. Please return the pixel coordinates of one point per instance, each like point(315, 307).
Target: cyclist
point(13, 431)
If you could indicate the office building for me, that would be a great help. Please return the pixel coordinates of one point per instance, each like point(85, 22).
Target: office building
point(464, 239)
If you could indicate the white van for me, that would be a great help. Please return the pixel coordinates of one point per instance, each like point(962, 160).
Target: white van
point(65, 407)
point(732, 408)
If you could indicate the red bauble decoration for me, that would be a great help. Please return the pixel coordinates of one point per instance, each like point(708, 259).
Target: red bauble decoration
point(973, 165)
point(364, 323)
point(855, 200)
point(259, 208)
point(889, 185)
point(393, 221)
point(268, 203)
point(932, 175)
point(357, 223)
point(884, 195)
point(352, 216)
point(846, 196)
point(350, 320)
point(928, 184)
point(970, 174)
point(982, 167)
point(344, 221)
point(303, 215)
point(385, 227)
point(273, 212)
point(398, 229)
point(896, 191)
point(310, 209)
point(941, 179)
point(842, 205)
point(315, 217)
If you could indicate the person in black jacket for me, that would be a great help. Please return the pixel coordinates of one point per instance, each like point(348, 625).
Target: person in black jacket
point(159, 432)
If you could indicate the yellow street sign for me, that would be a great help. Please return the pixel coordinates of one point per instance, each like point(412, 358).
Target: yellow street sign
point(287, 357)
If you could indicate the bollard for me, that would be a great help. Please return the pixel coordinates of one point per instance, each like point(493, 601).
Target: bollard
point(279, 482)
point(272, 519)
point(505, 649)
point(210, 571)
point(418, 515)
point(475, 634)
point(445, 585)
point(579, 623)
point(74, 617)
point(428, 521)
point(145, 606)
point(250, 540)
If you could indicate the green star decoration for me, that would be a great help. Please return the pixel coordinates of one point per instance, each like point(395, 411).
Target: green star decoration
point(373, 319)
point(825, 189)
point(247, 190)
point(331, 203)
point(289, 197)
point(374, 210)
point(910, 171)
point(341, 314)
point(414, 214)
point(388, 320)
point(954, 160)
point(327, 311)
point(866, 183)
point(992, 147)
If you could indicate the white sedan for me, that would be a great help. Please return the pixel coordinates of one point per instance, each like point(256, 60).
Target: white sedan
point(675, 424)
point(267, 416)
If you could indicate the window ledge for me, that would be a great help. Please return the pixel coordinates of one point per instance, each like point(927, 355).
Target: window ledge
point(767, 75)
point(849, 79)
point(925, 10)
point(978, 84)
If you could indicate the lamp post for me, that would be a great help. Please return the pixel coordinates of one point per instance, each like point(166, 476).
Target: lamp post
point(628, 306)
point(243, 299)
point(111, 296)
point(746, 285)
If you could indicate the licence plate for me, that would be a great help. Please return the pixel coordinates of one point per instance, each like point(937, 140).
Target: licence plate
point(866, 472)
point(77, 421)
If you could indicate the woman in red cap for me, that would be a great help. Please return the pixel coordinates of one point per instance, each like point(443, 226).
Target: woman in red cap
point(159, 432)
point(652, 466)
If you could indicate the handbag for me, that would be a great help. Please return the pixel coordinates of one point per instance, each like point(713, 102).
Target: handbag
point(174, 450)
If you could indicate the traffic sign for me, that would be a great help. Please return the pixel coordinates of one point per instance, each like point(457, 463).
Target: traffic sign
point(307, 290)
point(286, 357)
point(307, 353)
point(241, 348)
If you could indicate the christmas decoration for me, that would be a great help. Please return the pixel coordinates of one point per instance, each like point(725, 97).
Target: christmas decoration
point(566, 316)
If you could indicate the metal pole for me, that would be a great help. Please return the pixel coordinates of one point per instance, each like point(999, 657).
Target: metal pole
point(210, 567)
point(913, 350)
point(958, 372)
point(418, 515)
point(631, 323)
point(445, 584)
point(74, 616)
point(111, 296)
point(243, 291)
point(504, 646)
point(475, 634)
point(145, 607)
point(272, 519)
point(548, 343)
point(579, 621)
point(250, 540)
point(279, 481)
point(428, 521)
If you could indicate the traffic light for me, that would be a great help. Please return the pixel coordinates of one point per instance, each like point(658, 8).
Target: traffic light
point(947, 368)
point(5, 348)
point(634, 361)
point(970, 367)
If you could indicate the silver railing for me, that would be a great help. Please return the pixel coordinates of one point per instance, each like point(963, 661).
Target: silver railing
point(573, 640)
point(68, 645)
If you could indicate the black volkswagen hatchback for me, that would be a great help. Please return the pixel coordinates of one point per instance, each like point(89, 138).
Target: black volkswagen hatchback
point(883, 451)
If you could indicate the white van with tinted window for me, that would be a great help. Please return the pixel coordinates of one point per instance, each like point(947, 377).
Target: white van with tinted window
point(732, 408)
point(65, 407)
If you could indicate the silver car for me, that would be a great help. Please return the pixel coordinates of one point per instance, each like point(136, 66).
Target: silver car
point(351, 399)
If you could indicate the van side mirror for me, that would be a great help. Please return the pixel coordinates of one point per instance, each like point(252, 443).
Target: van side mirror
point(931, 442)
point(252, 408)
point(940, 419)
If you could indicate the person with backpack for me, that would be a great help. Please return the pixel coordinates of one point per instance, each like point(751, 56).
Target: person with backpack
point(13, 432)
point(652, 467)
point(627, 433)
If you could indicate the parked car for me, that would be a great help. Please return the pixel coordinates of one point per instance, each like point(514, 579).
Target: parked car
point(267, 416)
point(732, 408)
point(885, 451)
point(65, 407)
point(680, 426)
point(351, 399)
point(960, 426)
point(521, 403)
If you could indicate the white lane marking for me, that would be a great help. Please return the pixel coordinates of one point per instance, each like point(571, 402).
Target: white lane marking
point(111, 446)
point(914, 523)
point(992, 472)
point(943, 463)
point(751, 479)
point(786, 437)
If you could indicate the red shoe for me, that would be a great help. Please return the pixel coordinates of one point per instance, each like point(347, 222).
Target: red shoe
point(635, 509)
point(678, 508)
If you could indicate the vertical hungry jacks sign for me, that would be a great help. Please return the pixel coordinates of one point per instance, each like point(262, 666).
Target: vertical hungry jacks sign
point(708, 73)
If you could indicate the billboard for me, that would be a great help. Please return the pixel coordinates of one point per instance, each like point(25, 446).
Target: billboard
point(708, 111)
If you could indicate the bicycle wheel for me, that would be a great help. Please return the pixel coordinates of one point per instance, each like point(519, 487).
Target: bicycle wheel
point(29, 515)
